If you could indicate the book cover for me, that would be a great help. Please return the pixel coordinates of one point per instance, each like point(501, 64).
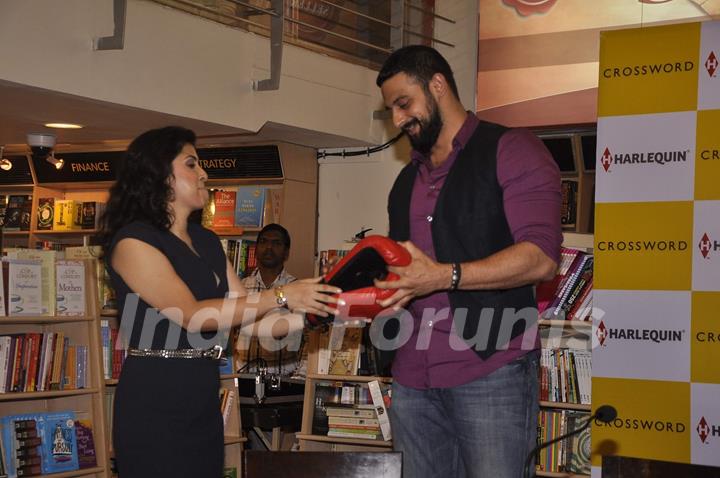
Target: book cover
point(379, 397)
point(47, 274)
point(70, 290)
point(46, 212)
point(85, 444)
point(67, 213)
point(229, 472)
point(17, 213)
point(249, 206)
point(59, 444)
point(344, 350)
point(24, 287)
point(90, 212)
point(224, 209)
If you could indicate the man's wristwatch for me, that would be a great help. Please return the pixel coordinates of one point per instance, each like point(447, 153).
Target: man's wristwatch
point(280, 297)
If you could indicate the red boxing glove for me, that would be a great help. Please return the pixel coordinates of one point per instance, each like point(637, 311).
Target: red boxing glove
point(355, 275)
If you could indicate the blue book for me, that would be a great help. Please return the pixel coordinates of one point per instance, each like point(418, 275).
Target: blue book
point(249, 206)
point(59, 442)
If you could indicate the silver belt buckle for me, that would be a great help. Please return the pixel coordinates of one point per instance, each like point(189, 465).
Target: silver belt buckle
point(214, 353)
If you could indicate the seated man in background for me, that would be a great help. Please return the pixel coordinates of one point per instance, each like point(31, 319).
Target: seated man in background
point(272, 251)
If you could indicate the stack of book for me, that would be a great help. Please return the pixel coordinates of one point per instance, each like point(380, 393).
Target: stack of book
point(43, 443)
point(569, 295)
point(55, 214)
point(37, 362)
point(241, 255)
point(351, 410)
point(571, 455)
point(565, 375)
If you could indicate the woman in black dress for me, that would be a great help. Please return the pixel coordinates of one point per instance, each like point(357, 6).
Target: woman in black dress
point(173, 282)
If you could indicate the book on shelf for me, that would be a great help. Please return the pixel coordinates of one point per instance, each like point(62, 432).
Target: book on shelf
point(47, 274)
point(17, 212)
point(571, 455)
point(40, 443)
point(249, 206)
point(67, 215)
point(565, 376)
point(571, 288)
point(224, 215)
point(347, 410)
point(24, 287)
point(87, 457)
point(568, 209)
point(45, 214)
point(70, 291)
point(229, 472)
point(380, 395)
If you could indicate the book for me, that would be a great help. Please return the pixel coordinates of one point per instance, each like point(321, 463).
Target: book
point(17, 212)
point(46, 213)
point(224, 209)
point(90, 214)
point(70, 290)
point(229, 472)
point(249, 206)
point(58, 442)
point(24, 287)
point(379, 398)
point(47, 274)
point(344, 350)
point(67, 214)
point(85, 444)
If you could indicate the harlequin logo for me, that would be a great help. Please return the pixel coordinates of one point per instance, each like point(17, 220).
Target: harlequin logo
point(601, 333)
point(604, 333)
point(650, 158)
point(711, 64)
point(705, 430)
point(706, 245)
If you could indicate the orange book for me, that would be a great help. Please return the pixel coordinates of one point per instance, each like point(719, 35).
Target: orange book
point(224, 209)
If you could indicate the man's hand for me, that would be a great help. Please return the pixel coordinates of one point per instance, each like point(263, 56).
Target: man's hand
point(422, 277)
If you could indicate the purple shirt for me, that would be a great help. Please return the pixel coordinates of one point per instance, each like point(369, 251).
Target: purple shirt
point(530, 180)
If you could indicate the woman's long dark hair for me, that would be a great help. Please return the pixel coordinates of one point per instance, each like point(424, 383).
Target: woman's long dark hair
point(142, 190)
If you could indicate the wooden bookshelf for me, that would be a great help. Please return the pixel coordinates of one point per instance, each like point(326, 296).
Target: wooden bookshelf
point(575, 334)
point(559, 475)
point(566, 406)
point(86, 403)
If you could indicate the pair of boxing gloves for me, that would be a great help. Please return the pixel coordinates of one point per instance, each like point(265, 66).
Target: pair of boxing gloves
point(355, 274)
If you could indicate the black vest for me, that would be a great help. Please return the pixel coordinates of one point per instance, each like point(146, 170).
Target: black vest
point(469, 223)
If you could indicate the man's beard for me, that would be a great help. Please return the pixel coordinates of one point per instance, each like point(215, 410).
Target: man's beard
point(428, 131)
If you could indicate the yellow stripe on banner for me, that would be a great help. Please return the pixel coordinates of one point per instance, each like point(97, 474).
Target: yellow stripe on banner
point(653, 419)
point(649, 70)
point(643, 246)
point(705, 345)
point(707, 152)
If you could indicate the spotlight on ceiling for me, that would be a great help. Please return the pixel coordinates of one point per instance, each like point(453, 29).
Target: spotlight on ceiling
point(57, 162)
point(5, 164)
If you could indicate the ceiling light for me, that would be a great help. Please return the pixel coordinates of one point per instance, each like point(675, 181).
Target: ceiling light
point(57, 162)
point(5, 164)
point(64, 125)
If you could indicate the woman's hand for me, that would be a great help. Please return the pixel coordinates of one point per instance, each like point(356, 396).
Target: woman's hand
point(308, 295)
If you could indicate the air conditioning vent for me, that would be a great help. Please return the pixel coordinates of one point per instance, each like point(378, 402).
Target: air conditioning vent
point(248, 162)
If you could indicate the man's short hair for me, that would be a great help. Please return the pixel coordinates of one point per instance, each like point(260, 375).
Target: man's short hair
point(278, 228)
point(418, 62)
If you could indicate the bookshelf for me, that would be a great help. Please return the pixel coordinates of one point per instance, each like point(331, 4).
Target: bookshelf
point(310, 441)
point(574, 152)
point(565, 337)
point(86, 403)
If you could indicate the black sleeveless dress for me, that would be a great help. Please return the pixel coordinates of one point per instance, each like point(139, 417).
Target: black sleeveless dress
point(167, 420)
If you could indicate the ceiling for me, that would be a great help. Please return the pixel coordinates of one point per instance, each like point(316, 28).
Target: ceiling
point(25, 109)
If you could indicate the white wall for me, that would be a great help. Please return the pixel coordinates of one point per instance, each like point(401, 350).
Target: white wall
point(353, 193)
point(183, 65)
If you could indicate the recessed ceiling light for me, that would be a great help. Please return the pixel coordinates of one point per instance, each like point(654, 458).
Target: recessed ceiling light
point(64, 125)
